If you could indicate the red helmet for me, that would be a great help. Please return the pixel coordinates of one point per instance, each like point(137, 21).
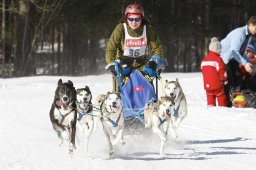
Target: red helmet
point(134, 9)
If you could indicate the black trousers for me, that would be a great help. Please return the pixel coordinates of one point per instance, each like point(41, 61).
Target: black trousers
point(235, 80)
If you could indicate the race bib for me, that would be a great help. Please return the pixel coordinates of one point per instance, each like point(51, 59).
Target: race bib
point(135, 46)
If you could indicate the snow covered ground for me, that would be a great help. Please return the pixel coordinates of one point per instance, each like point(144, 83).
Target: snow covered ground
point(209, 138)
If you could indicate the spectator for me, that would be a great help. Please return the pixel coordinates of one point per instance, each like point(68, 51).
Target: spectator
point(233, 54)
point(214, 75)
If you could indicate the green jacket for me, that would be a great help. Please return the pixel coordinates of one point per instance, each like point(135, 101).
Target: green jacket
point(115, 44)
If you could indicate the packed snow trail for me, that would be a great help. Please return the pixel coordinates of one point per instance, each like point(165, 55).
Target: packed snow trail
point(209, 138)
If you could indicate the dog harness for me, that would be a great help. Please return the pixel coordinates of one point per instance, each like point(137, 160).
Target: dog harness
point(59, 103)
point(83, 112)
point(64, 115)
point(104, 110)
point(114, 123)
point(162, 121)
point(152, 106)
point(176, 111)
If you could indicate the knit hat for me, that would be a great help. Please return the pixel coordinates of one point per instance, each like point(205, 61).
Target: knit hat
point(215, 45)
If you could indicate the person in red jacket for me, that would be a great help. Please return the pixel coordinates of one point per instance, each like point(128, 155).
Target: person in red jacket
point(214, 75)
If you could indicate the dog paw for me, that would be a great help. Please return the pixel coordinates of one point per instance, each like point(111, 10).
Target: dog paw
point(122, 142)
point(117, 140)
point(162, 154)
point(65, 135)
point(111, 153)
point(61, 141)
point(174, 134)
point(175, 126)
point(71, 153)
point(71, 147)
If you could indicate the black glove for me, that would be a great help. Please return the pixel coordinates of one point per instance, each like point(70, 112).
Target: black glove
point(112, 69)
point(150, 68)
point(152, 65)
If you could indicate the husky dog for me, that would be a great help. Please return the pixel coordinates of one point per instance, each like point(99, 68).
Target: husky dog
point(85, 122)
point(63, 113)
point(158, 117)
point(174, 90)
point(112, 118)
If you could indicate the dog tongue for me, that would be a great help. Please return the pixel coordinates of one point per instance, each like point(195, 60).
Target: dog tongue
point(167, 114)
point(59, 103)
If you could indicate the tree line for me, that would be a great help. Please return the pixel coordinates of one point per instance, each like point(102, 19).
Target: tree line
point(63, 37)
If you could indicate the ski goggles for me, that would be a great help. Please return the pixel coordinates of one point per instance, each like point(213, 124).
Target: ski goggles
point(134, 19)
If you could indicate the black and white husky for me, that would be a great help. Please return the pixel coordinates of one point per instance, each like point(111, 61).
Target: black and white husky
point(111, 118)
point(63, 113)
point(158, 117)
point(173, 89)
point(85, 117)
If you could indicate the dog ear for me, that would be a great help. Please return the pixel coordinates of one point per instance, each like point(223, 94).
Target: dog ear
point(108, 94)
point(157, 104)
point(177, 80)
point(160, 101)
point(101, 98)
point(161, 98)
point(87, 89)
point(70, 83)
point(166, 82)
point(60, 82)
point(78, 91)
point(118, 94)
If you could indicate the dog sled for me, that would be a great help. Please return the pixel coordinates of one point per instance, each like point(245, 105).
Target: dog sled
point(136, 91)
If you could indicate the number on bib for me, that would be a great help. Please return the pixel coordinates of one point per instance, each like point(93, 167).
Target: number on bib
point(134, 53)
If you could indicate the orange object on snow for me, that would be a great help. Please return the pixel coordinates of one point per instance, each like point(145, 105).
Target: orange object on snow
point(239, 101)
